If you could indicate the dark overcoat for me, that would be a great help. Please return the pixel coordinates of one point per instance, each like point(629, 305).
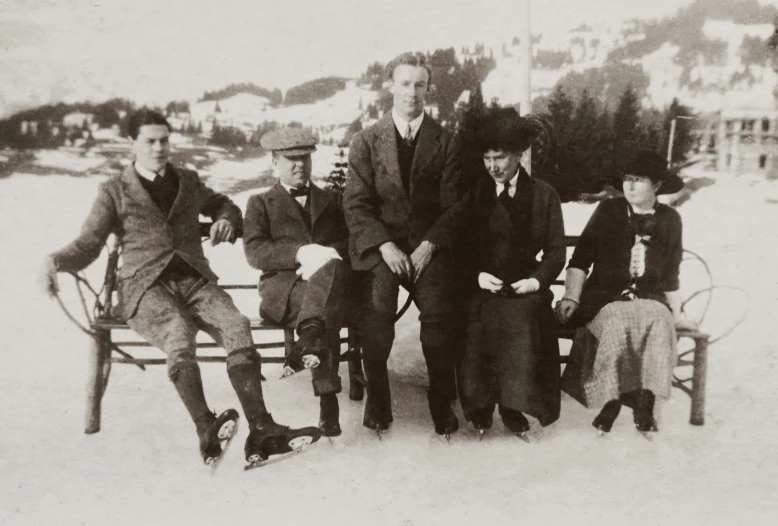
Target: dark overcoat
point(274, 229)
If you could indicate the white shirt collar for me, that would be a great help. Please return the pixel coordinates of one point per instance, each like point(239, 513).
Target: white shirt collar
point(511, 184)
point(401, 124)
point(146, 174)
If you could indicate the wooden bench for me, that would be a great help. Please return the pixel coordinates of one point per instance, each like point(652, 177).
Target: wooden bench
point(105, 350)
point(696, 358)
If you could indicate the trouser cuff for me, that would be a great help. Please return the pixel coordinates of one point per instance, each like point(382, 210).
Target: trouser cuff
point(327, 386)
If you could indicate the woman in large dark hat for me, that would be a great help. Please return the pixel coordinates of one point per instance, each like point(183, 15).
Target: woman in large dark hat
point(511, 356)
point(624, 350)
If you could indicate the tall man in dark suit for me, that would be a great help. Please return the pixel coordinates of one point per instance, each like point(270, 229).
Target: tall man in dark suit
point(404, 205)
point(295, 233)
point(166, 289)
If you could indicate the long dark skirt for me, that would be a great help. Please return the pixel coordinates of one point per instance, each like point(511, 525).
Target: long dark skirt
point(511, 356)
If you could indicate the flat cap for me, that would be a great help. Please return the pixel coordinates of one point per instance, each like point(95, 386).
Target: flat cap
point(289, 141)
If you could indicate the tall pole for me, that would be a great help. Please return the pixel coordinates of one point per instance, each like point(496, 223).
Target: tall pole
point(670, 144)
point(525, 84)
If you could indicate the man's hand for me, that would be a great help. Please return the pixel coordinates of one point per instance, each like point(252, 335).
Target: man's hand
point(525, 286)
point(565, 309)
point(488, 282)
point(312, 257)
point(221, 231)
point(397, 260)
point(48, 277)
point(421, 258)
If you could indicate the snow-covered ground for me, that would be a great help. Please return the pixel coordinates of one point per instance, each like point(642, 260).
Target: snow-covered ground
point(143, 467)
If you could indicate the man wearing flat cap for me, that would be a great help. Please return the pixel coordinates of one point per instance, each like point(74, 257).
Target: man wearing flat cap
point(404, 207)
point(295, 233)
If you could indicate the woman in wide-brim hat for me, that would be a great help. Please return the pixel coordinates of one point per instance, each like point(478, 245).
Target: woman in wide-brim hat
point(624, 350)
point(511, 356)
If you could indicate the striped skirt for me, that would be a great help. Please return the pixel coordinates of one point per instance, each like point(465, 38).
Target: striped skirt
point(629, 345)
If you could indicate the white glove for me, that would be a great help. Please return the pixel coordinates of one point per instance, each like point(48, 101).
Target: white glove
point(526, 286)
point(312, 257)
point(488, 282)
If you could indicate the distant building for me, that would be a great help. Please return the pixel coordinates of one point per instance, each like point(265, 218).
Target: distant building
point(742, 139)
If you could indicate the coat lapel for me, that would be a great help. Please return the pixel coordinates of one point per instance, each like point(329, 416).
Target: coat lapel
point(137, 193)
point(319, 201)
point(288, 204)
point(426, 149)
point(184, 190)
point(387, 152)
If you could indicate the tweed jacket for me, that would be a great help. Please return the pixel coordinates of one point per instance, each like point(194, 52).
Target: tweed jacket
point(376, 204)
point(148, 240)
point(274, 229)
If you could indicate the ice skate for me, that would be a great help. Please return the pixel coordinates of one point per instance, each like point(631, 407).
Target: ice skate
point(270, 442)
point(329, 414)
point(443, 418)
point(603, 422)
point(307, 353)
point(379, 426)
point(644, 415)
point(516, 423)
point(216, 434)
point(447, 427)
point(482, 421)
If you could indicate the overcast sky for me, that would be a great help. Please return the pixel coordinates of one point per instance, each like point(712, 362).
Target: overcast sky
point(158, 50)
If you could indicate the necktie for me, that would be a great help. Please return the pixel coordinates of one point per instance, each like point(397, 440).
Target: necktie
point(505, 196)
point(408, 138)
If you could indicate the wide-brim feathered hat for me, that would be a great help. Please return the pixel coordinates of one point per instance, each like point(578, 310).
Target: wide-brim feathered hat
point(504, 129)
point(647, 163)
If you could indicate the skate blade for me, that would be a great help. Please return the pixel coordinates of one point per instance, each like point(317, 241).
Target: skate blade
point(524, 437)
point(287, 372)
point(481, 434)
point(379, 433)
point(448, 438)
point(226, 433)
point(282, 456)
point(601, 433)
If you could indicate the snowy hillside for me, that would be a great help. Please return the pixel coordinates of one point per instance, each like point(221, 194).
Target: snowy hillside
point(728, 77)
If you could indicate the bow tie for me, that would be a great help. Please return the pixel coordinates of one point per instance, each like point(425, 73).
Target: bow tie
point(299, 191)
point(643, 224)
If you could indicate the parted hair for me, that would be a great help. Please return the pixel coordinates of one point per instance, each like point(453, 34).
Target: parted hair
point(145, 117)
point(408, 59)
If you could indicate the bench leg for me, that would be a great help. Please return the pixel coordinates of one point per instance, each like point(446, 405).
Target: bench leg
point(356, 377)
point(699, 377)
point(99, 354)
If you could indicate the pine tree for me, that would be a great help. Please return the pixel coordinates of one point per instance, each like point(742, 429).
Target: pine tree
point(584, 147)
point(336, 180)
point(626, 119)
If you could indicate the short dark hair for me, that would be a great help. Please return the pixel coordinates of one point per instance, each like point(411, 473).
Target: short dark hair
point(408, 59)
point(145, 117)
